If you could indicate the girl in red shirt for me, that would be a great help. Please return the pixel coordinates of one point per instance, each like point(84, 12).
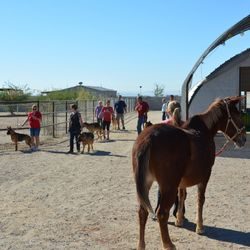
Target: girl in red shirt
point(106, 115)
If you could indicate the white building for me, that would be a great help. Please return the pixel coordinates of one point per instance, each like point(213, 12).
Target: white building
point(229, 79)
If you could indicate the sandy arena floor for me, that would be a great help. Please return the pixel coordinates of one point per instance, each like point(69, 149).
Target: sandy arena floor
point(51, 200)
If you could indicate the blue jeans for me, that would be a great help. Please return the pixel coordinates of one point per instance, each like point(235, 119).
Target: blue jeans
point(140, 123)
point(74, 135)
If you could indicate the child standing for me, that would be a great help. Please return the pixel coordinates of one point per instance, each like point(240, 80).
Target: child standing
point(107, 113)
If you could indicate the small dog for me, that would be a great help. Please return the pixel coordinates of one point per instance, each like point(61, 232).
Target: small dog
point(16, 137)
point(94, 127)
point(114, 123)
point(148, 124)
point(87, 138)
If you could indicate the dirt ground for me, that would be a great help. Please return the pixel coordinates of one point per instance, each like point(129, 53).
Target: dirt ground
point(51, 200)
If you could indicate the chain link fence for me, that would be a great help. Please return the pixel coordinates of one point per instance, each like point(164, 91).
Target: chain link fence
point(55, 114)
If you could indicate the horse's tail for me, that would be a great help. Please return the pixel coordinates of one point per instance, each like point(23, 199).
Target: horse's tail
point(141, 175)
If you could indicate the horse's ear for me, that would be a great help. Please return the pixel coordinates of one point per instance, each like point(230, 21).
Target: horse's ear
point(236, 99)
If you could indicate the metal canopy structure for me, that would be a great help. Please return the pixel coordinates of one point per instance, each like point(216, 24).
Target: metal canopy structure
point(238, 28)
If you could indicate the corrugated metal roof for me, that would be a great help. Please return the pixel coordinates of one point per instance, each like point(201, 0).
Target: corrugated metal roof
point(241, 56)
point(99, 88)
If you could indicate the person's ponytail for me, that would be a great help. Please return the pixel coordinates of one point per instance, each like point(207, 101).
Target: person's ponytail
point(177, 117)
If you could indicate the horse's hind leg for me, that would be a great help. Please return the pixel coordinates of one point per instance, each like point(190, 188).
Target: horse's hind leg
point(167, 200)
point(201, 201)
point(180, 208)
point(143, 216)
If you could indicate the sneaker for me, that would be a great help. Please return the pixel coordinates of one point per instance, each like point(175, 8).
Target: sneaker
point(70, 152)
point(123, 128)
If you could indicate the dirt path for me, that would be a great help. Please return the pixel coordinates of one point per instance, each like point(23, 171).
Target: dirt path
point(51, 200)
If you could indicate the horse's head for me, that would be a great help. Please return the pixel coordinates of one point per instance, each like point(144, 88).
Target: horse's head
point(233, 126)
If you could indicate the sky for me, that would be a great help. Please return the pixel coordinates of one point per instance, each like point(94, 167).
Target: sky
point(115, 44)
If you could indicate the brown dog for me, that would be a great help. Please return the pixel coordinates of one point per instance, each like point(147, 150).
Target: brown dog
point(94, 127)
point(16, 137)
point(87, 138)
point(148, 124)
point(114, 123)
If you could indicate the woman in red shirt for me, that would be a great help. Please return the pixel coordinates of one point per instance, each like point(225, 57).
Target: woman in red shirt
point(35, 119)
point(106, 115)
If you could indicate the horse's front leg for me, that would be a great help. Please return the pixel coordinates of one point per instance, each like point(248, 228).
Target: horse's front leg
point(143, 216)
point(180, 210)
point(200, 203)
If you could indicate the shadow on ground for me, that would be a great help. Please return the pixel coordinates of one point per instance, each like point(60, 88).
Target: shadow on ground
point(221, 234)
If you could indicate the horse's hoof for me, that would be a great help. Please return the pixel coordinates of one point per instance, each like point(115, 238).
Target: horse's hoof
point(179, 223)
point(199, 230)
point(172, 247)
point(141, 247)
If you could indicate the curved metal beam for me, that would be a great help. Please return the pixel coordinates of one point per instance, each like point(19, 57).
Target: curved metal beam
point(236, 29)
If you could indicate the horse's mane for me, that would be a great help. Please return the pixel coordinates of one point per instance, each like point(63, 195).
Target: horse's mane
point(212, 114)
point(210, 117)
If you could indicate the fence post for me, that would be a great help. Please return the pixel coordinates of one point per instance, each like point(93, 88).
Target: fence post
point(66, 116)
point(85, 110)
point(53, 119)
point(93, 111)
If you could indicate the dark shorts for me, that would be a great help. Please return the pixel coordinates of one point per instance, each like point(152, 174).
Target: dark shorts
point(34, 131)
point(105, 124)
point(119, 116)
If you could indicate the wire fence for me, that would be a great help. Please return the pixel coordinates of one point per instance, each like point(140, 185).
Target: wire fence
point(55, 114)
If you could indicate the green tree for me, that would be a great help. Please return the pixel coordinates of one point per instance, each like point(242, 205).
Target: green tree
point(158, 90)
point(14, 93)
point(67, 95)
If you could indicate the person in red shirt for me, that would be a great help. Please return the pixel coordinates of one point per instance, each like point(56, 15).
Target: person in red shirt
point(142, 110)
point(34, 118)
point(106, 114)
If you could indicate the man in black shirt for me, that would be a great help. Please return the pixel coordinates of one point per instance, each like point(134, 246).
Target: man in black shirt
point(120, 108)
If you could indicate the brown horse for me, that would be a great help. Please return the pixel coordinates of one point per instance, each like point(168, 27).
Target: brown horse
point(181, 157)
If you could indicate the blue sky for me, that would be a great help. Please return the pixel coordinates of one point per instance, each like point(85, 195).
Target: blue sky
point(119, 44)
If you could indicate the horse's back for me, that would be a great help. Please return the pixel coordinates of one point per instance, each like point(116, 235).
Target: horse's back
point(169, 149)
point(162, 137)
